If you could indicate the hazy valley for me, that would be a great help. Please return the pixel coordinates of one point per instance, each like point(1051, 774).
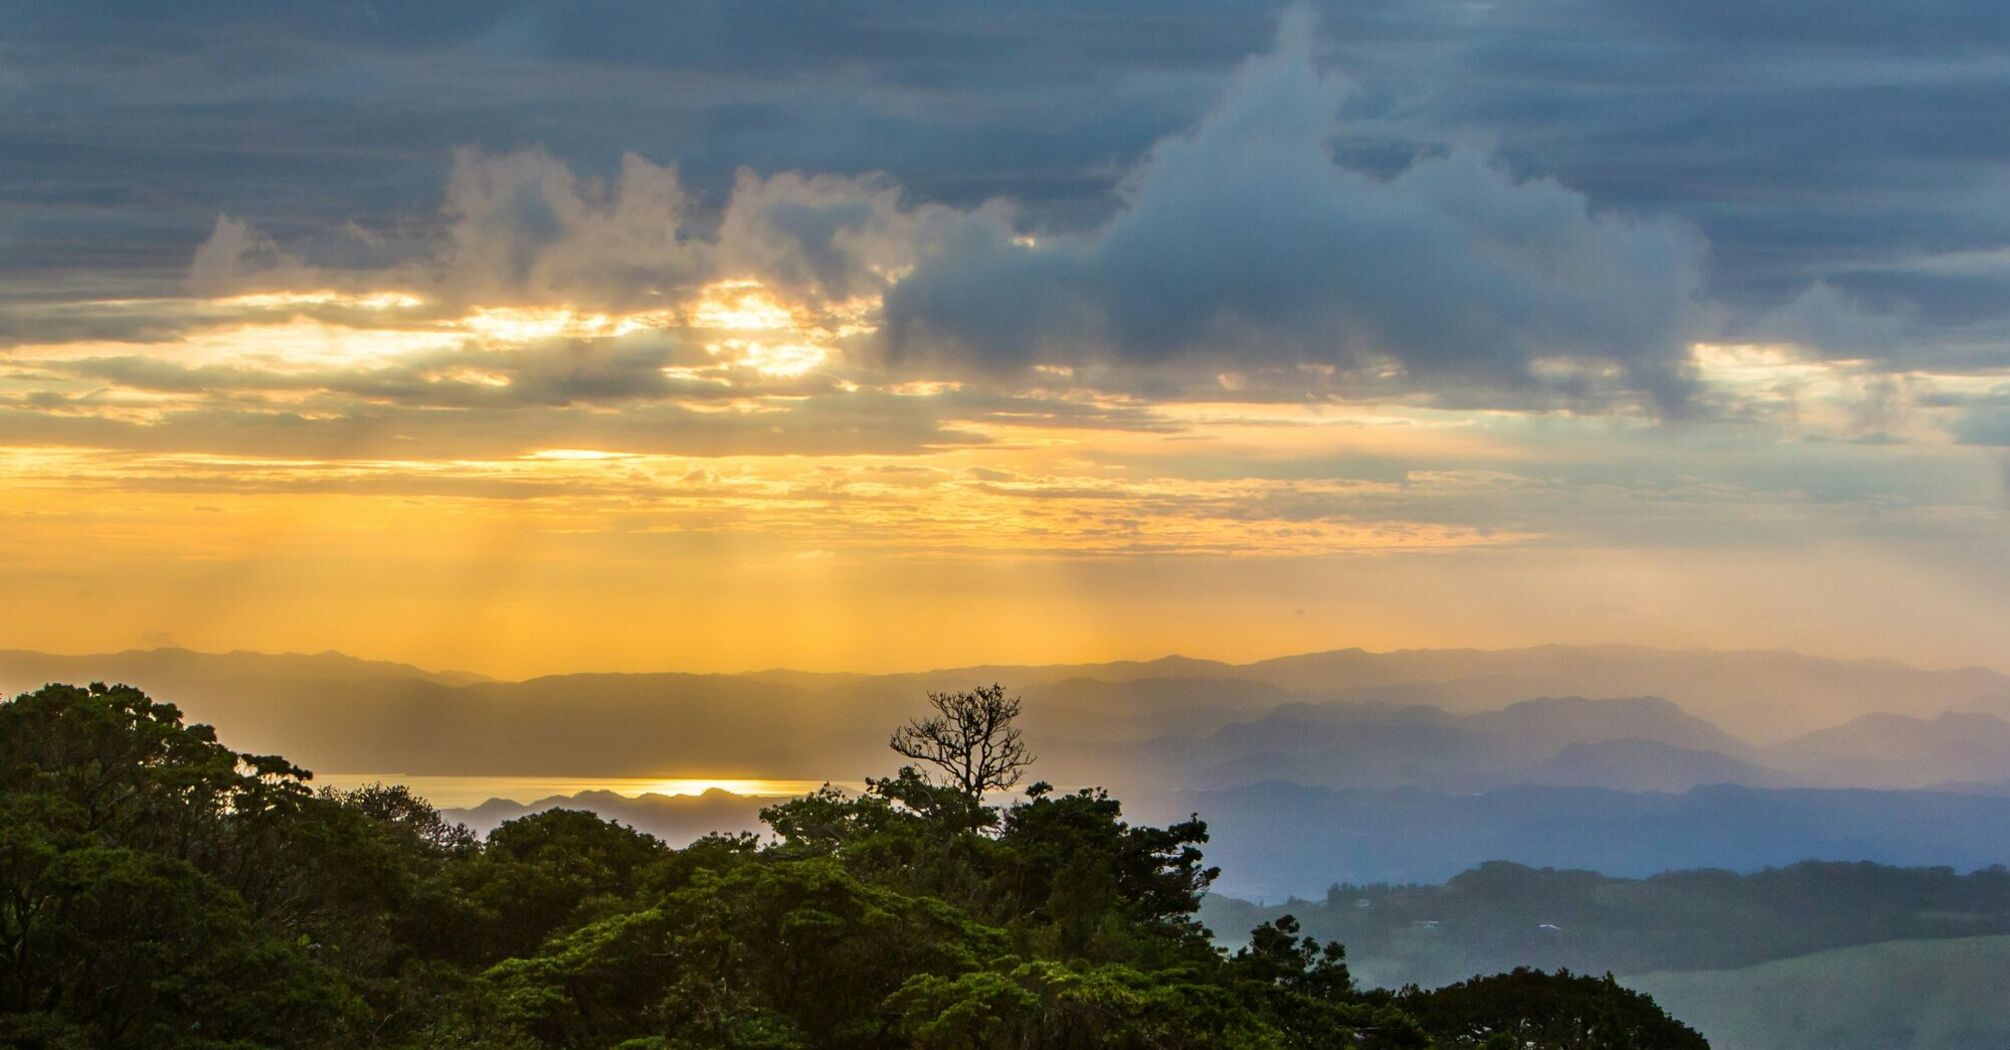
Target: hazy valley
point(1340, 766)
point(1442, 814)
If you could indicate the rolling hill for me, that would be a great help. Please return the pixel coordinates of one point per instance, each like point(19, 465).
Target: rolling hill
point(1347, 719)
point(1888, 750)
point(1275, 840)
point(1899, 995)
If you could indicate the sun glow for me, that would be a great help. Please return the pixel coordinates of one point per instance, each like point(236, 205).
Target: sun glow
point(741, 305)
point(751, 787)
point(385, 300)
point(777, 359)
point(519, 324)
point(577, 454)
point(455, 791)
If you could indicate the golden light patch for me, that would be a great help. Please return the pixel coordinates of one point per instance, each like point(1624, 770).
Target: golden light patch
point(294, 343)
point(523, 324)
point(577, 454)
point(781, 360)
point(741, 305)
point(924, 388)
point(465, 374)
point(389, 300)
point(1829, 397)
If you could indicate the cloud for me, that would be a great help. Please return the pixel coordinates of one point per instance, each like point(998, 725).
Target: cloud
point(1985, 422)
point(549, 372)
point(1825, 319)
point(1244, 240)
point(1935, 23)
point(824, 236)
point(1264, 253)
point(521, 227)
point(514, 227)
point(340, 427)
point(236, 257)
point(1809, 143)
point(1814, 152)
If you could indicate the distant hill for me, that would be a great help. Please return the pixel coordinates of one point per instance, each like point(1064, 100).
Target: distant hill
point(571, 725)
point(22, 669)
point(1645, 765)
point(1765, 696)
point(1805, 957)
point(1888, 750)
point(676, 819)
point(1366, 754)
point(1500, 915)
point(1900, 995)
point(1993, 705)
point(1634, 743)
point(1451, 720)
point(1274, 839)
point(1577, 720)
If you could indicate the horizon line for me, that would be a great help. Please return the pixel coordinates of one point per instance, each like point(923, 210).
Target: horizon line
point(1048, 666)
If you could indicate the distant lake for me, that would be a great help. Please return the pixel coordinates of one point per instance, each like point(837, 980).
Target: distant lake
point(460, 792)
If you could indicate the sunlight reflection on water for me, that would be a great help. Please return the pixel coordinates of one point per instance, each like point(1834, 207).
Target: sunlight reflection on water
point(453, 792)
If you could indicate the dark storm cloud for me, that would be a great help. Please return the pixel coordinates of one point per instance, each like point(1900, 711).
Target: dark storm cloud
point(1850, 145)
point(1244, 238)
point(1811, 142)
point(1931, 24)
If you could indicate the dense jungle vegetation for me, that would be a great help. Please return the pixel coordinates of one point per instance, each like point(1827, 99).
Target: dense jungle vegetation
point(160, 890)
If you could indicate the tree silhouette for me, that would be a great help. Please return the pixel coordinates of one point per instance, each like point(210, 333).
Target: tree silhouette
point(158, 889)
point(970, 738)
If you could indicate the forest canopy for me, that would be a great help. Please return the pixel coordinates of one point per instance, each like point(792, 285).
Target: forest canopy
point(158, 889)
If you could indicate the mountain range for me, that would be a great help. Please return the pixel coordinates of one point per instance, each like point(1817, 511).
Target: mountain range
point(1510, 709)
point(1339, 765)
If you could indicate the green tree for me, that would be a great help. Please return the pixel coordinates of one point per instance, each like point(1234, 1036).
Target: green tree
point(1548, 1011)
point(134, 908)
point(160, 890)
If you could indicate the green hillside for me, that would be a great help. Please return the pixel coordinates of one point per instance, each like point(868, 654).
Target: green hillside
point(1900, 995)
point(1499, 916)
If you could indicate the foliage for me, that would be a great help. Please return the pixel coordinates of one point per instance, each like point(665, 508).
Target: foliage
point(1544, 1011)
point(1500, 914)
point(160, 890)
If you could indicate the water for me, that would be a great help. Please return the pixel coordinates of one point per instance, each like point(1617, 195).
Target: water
point(458, 792)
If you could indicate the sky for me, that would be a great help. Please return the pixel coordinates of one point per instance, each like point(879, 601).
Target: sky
point(525, 338)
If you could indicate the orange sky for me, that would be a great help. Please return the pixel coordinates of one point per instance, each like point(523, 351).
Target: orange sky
point(1046, 523)
point(1270, 404)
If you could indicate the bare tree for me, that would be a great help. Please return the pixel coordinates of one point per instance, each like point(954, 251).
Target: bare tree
point(970, 738)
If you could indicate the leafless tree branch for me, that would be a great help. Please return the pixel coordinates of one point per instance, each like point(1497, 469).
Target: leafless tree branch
point(970, 738)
